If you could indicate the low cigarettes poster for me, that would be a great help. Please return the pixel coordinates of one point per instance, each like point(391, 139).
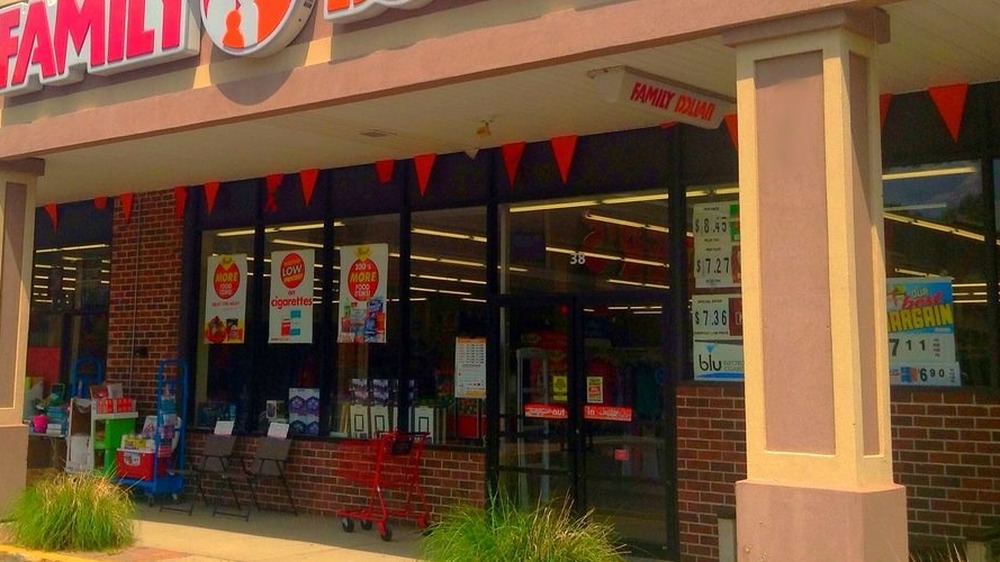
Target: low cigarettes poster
point(226, 299)
point(363, 292)
point(290, 310)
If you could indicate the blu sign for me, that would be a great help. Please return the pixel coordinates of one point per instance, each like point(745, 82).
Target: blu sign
point(57, 42)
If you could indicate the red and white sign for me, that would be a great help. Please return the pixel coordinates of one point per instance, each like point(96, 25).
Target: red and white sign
point(291, 305)
point(225, 299)
point(346, 11)
point(546, 411)
point(58, 41)
point(363, 293)
point(255, 28)
point(607, 413)
point(674, 102)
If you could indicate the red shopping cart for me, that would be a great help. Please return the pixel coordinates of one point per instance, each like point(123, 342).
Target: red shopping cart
point(391, 461)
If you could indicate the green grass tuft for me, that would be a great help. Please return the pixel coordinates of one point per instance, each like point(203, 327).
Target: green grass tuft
point(504, 533)
point(73, 512)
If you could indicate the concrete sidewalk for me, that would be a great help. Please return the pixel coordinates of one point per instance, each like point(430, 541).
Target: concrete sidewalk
point(275, 537)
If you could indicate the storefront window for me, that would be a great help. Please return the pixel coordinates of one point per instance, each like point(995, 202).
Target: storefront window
point(448, 318)
point(288, 378)
point(934, 238)
point(225, 362)
point(365, 394)
point(592, 244)
point(70, 289)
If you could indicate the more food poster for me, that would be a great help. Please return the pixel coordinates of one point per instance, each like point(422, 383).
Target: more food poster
point(226, 299)
point(363, 291)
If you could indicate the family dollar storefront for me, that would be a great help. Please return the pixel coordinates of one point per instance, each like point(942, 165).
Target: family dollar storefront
point(540, 232)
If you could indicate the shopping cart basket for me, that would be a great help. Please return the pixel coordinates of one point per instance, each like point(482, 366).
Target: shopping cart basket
point(391, 461)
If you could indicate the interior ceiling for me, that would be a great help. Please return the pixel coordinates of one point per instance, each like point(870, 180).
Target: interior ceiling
point(934, 42)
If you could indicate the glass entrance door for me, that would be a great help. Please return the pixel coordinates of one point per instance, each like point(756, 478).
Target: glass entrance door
point(582, 399)
point(622, 374)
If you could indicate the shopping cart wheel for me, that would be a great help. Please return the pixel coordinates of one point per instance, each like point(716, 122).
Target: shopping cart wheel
point(366, 525)
point(347, 524)
point(384, 532)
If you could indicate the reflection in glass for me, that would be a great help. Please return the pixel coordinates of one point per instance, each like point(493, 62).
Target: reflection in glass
point(934, 227)
point(574, 245)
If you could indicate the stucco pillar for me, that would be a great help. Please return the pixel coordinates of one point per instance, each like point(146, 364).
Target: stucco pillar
point(819, 464)
point(17, 233)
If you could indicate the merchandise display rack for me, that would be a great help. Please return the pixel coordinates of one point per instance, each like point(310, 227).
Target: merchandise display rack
point(171, 395)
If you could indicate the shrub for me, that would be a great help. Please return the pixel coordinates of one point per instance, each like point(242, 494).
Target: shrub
point(505, 533)
point(73, 512)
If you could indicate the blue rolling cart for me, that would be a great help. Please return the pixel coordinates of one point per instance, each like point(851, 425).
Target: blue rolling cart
point(171, 396)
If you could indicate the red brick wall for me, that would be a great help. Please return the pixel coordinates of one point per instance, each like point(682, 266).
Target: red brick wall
point(711, 457)
point(946, 451)
point(315, 477)
point(144, 310)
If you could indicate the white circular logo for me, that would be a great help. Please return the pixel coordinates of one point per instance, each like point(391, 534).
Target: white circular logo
point(255, 28)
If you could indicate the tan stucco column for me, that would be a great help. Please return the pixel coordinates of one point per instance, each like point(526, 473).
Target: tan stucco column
point(17, 234)
point(819, 465)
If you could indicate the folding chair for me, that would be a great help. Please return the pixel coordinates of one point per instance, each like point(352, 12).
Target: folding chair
point(268, 462)
point(216, 458)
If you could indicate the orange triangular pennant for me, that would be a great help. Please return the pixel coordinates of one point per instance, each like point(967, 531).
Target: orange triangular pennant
point(53, 211)
point(180, 200)
point(950, 102)
point(101, 203)
point(384, 169)
point(512, 154)
point(308, 179)
point(127, 200)
point(884, 101)
point(425, 166)
point(211, 191)
point(564, 148)
point(733, 126)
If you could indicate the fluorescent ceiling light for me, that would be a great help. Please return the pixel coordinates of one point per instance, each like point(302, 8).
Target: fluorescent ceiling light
point(472, 281)
point(441, 233)
point(622, 222)
point(925, 207)
point(437, 278)
point(905, 271)
point(232, 233)
point(423, 289)
point(932, 173)
point(458, 293)
point(450, 261)
point(470, 299)
point(635, 199)
point(554, 206)
point(72, 249)
point(301, 243)
point(298, 227)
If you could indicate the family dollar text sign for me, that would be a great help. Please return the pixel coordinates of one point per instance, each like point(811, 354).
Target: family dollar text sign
point(346, 11)
point(58, 41)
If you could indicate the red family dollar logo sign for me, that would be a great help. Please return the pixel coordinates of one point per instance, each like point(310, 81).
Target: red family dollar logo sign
point(293, 270)
point(362, 279)
point(226, 279)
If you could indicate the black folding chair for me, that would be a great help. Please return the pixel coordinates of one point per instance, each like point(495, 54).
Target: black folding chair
point(268, 463)
point(216, 459)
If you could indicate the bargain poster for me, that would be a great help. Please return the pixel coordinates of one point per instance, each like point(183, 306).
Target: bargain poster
point(921, 319)
point(290, 309)
point(363, 293)
point(226, 299)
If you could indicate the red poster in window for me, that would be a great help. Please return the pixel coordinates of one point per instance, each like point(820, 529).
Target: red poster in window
point(607, 413)
point(546, 411)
